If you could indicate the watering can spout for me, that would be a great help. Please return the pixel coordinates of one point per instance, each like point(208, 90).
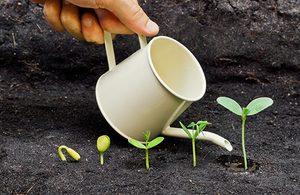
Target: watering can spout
point(205, 135)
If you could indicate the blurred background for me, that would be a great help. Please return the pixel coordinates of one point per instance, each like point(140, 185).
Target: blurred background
point(261, 34)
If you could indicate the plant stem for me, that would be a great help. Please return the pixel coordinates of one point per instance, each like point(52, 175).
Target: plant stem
point(194, 151)
point(147, 159)
point(243, 142)
point(60, 153)
point(101, 159)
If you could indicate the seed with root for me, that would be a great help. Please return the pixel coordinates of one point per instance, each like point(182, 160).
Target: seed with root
point(103, 143)
point(70, 151)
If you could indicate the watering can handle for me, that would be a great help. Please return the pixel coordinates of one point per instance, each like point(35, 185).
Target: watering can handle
point(109, 48)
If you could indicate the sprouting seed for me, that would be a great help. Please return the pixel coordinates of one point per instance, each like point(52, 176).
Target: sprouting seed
point(70, 151)
point(103, 143)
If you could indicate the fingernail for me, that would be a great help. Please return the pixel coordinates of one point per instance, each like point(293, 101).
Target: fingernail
point(152, 27)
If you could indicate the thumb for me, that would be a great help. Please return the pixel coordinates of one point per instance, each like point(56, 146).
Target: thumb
point(127, 11)
point(133, 16)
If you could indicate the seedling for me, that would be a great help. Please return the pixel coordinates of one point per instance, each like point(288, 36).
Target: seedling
point(148, 145)
point(70, 151)
point(196, 128)
point(103, 143)
point(255, 106)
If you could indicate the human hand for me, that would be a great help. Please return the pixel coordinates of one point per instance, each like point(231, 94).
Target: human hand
point(86, 19)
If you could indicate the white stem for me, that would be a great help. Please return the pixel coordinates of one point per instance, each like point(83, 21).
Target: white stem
point(205, 136)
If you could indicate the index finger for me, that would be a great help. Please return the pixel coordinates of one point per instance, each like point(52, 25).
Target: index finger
point(127, 11)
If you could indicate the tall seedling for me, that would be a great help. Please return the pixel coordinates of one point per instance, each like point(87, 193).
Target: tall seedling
point(255, 106)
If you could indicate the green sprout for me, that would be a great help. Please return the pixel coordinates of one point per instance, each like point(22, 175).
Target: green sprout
point(255, 106)
point(148, 145)
point(197, 128)
point(103, 143)
point(70, 151)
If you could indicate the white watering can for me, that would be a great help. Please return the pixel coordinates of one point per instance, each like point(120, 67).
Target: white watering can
point(151, 88)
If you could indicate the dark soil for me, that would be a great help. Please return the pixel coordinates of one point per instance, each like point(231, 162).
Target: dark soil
point(36, 117)
point(47, 99)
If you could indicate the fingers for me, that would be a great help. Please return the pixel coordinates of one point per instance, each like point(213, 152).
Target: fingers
point(52, 9)
point(118, 17)
point(70, 19)
point(92, 32)
point(127, 11)
point(133, 16)
point(111, 23)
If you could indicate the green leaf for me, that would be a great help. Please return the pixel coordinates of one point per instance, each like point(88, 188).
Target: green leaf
point(203, 122)
point(136, 143)
point(231, 105)
point(185, 130)
point(245, 112)
point(201, 125)
point(155, 142)
point(147, 136)
point(192, 125)
point(259, 104)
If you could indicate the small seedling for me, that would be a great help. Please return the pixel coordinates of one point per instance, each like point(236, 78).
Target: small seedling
point(70, 151)
point(148, 145)
point(255, 106)
point(196, 128)
point(103, 143)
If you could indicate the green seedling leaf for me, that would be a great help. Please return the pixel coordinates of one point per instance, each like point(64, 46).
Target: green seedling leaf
point(197, 133)
point(201, 125)
point(155, 142)
point(147, 135)
point(103, 143)
point(259, 104)
point(231, 105)
point(185, 130)
point(192, 125)
point(245, 113)
point(137, 144)
point(202, 122)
